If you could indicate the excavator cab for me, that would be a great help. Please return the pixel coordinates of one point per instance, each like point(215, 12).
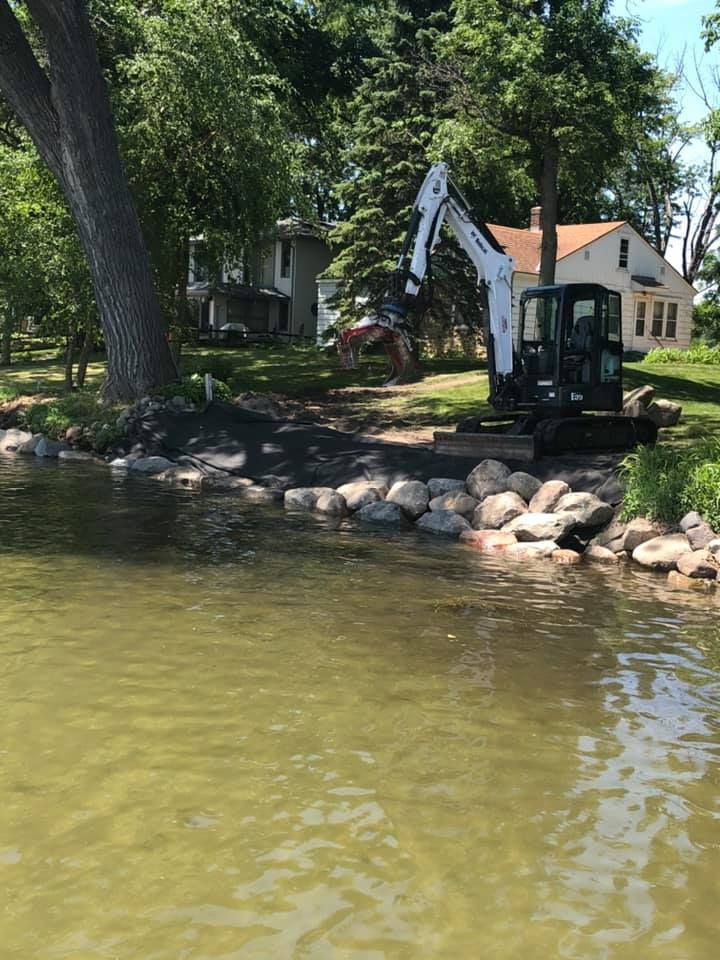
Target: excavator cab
point(568, 350)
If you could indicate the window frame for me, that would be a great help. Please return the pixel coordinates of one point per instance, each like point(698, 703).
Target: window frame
point(624, 255)
point(286, 259)
point(668, 322)
point(640, 329)
point(658, 322)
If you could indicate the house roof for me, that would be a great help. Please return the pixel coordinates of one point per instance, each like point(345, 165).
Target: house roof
point(524, 245)
point(237, 291)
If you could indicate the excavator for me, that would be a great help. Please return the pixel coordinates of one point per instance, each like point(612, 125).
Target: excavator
point(555, 380)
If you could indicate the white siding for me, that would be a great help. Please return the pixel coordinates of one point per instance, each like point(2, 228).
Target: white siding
point(327, 313)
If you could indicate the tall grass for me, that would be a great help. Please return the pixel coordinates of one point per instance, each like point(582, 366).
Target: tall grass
point(664, 483)
point(699, 353)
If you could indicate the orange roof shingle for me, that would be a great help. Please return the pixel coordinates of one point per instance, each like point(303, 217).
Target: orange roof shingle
point(524, 245)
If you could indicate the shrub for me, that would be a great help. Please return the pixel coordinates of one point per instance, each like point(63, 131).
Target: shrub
point(221, 367)
point(663, 483)
point(699, 353)
point(192, 389)
point(53, 418)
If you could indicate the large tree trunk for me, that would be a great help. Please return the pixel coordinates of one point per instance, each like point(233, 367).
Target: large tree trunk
point(549, 200)
point(85, 353)
point(66, 111)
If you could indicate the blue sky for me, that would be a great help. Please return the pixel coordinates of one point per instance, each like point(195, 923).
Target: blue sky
point(671, 29)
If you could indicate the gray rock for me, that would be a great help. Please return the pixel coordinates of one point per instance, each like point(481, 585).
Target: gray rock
point(11, 439)
point(665, 413)
point(49, 448)
point(150, 465)
point(700, 565)
point(598, 554)
point(640, 531)
point(411, 495)
point(548, 495)
point(361, 493)
point(74, 434)
point(121, 463)
point(701, 536)
point(489, 488)
point(259, 494)
point(588, 510)
point(304, 498)
point(332, 503)
point(611, 491)
point(76, 455)
point(612, 536)
point(439, 486)
point(496, 511)
point(714, 548)
point(27, 449)
point(690, 520)
point(524, 485)
point(456, 500)
point(445, 523)
point(662, 553)
point(387, 514)
point(541, 526)
point(219, 483)
point(536, 550)
point(488, 470)
point(182, 476)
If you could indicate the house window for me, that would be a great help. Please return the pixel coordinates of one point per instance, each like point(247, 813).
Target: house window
point(658, 317)
point(285, 259)
point(624, 253)
point(640, 308)
point(614, 325)
point(671, 321)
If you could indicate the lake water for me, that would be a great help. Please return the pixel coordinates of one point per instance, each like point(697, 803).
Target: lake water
point(234, 734)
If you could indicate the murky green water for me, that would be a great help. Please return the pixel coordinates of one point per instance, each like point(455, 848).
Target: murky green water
point(232, 734)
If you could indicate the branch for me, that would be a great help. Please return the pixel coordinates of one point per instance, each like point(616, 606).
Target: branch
point(27, 90)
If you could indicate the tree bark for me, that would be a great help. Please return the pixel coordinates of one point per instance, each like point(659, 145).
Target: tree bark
point(85, 353)
point(549, 201)
point(66, 111)
point(6, 344)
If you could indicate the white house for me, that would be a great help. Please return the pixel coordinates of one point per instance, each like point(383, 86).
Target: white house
point(657, 301)
point(272, 291)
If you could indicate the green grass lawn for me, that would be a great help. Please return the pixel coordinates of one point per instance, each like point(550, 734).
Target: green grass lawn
point(451, 388)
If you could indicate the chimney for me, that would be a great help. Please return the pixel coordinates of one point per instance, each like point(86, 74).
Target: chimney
point(535, 225)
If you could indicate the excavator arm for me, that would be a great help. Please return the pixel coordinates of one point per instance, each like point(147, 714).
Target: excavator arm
point(438, 202)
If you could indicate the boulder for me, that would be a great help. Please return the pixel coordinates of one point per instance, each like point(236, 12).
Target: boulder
point(640, 395)
point(541, 526)
point(714, 548)
point(640, 531)
point(524, 485)
point(11, 439)
point(588, 510)
point(700, 565)
point(612, 536)
point(678, 581)
point(444, 523)
point(76, 455)
point(49, 448)
point(456, 500)
point(150, 465)
point(387, 514)
point(412, 496)
point(547, 496)
point(259, 494)
point(701, 536)
point(439, 486)
point(665, 413)
point(362, 492)
point(492, 470)
point(332, 503)
point(304, 498)
point(488, 541)
point(531, 551)
point(496, 511)
point(611, 490)
point(74, 434)
point(181, 476)
point(220, 483)
point(690, 520)
point(566, 557)
point(28, 448)
point(121, 463)
point(661, 553)
point(597, 554)
point(489, 488)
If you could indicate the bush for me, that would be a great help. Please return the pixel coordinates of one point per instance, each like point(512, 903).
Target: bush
point(700, 353)
point(663, 483)
point(192, 389)
point(221, 367)
point(53, 418)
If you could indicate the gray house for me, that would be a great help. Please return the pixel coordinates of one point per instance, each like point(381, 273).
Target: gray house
point(272, 291)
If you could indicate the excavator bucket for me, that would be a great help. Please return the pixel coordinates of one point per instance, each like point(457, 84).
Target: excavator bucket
point(495, 446)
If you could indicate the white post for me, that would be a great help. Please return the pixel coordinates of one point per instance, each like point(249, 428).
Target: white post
point(208, 387)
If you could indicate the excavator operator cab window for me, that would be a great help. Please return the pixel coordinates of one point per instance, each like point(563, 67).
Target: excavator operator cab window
point(578, 341)
point(538, 334)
